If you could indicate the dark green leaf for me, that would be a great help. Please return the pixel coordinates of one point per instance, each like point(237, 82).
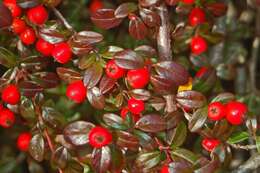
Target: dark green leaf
point(198, 119)
point(114, 121)
point(180, 134)
point(238, 137)
point(60, 157)
point(146, 161)
point(185, 154)
point(7, 58)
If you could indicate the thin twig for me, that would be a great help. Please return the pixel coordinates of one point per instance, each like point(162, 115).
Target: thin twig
point(243, 147)
point(63, 20)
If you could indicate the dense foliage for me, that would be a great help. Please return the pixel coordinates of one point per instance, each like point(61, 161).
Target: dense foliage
point(129, 86)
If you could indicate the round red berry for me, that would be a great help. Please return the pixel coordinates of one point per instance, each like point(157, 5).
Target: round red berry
point(37, 15)
point(136, 106)
point(62, 52)
point(210, 144)
point(7, 118)
point(18, 26)
point(125, 111)
point(113, 70)
point(201, 72)
point(16, 11)
point(28, 36)
point(99, 137)
point(198, 45)
point(188, 1)
point(165, 169)
point(197, 16)
point(23, 141)
point(138, 78)
point(235, 112)
point(44, 47)
point(95, 5)
point(11, 94)
point(216, 111)
point(76, 91)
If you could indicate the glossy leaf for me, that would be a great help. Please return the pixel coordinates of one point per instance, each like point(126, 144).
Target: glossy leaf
point(127, 140)
point(87, 61)
point(146, 141)
point(223, 97)
point(162, 85)
point(27, 110)
point(52, 117)
point(185, 154)
point(114, 121)
point(106, 84)
point(180, 134)
point(191, 99)
point(87, 37)
point(238, 137)
point(146, 51)
point(7, 58)
point(148, 160)
point(101, 159)
point(137, 28)
point(92, 75)
point(68, 75)
point(96, 98)
point(36, 148)
point(60, 157)
point(77, 132)
point(150, 18)
point(118, 159)
point(157, 103)
point(27, 3)
point(198, 119)
point(124, 9)
point(29, 88)
point(148, 3)
point(140, 94)
point(212, 166)
point(151, 123)
point(46, 79)
point(5, 17)
point(128, 59)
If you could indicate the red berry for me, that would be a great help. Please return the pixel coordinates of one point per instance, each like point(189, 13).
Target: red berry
point(113, 70)
point(13, 7)
point(37, 15)
point(188, 1)
point(210, 144)
point(99, 137)
point(95, 5)
point(76, 91)
point(216, 111)
point(165, 169)
point(1, 107)
point(28, 36)
point(124, 112)
point(138, 78)
point(136, 106)
point(201, 72)
point(198, 45)
point(197, 16)
point(23, 141)
point(7, 118)
point(62, 52)
point(11, 94)
point(9, 1)
point(18, 26)
point(44, 47)
point(235, 112)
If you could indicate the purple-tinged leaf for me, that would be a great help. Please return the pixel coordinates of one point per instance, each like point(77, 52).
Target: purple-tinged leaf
point(146, 51)
point(148, 3)
point(93, 75)
point(137, 28)
point(61, 157)
point(140, 94)
point(101, 159)
point(124, 9)
point(146, 161)
point(129, 59)
point(36, 148)
point(151, 123)
point(198, 119)
point(162, 85)
point(150, 18)
point(172, 2)
point(29, 88)
point(191, 99)
point(5, 17)
point(127, 140)
point(96, 98)
point(106, 84)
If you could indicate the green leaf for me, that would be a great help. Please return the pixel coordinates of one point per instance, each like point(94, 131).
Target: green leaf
point(185, 154)
point(148, 160)
point(7, 58)
point(198, 119)
point(238, 137)
point(180, 134)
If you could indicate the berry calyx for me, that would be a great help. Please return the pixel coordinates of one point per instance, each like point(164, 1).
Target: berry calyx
point(28, 36)
point(125, 111)
point(198, 45)
point(197, 16)
point(216, 111)
point(138, 78)
point(235, 112)
point(188, 1)
point(165, 169)
point(99, 137)
point(16, 11)
point(136, 106)
point(201, 72)
point(11, 94)
point(95, 5)
point(76, 91)
point(44, 47)
point(18, 26)
point(37, 15)
point(113, 70)
point(210, 144)
point(62, 52)
point(7, 118)
point(23, 141)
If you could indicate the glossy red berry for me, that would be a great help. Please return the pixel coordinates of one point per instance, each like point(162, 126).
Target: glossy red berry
point(198, 45)
point(216, 111)
point(16, 11)
point(113, 70)
point(11, 94)
point(210, 144)
point(18, 25)
point(188, 1)
point(136, 106)
point(165, 169)
point(28, 36)
point(76, 91)
point(197, 16)
point(201, 72)
point(62, 52)
point(7, 118)
point(37, 15)
point(235, 112)
point(99, 137)
point(138, 78)
point(95, 5)
point(44, 47)
point(23, 141)
point(125, 111)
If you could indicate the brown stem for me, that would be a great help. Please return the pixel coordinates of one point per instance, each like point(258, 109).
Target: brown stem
point(251, 164)
point(243, 147)
point(164, 35)
point(63, 20)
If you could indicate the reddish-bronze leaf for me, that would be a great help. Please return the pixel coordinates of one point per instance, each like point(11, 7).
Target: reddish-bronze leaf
point(150, 18)
point(68, 75)
point(172, 119)
point(217, 8)
point(191, 99)
point(114, 121)
point(148, 160)
point(61, 157)
point(157, 103)
point(148, 3)
point(124, 9)
point(96, 98)
point(140, 94)
point(127, 140)
point(137, 28)
point(171, 2)
point(162, 85)
point(151, 123)
point(106, 84)
point(129, 59)
point(87, 37)
point(101, 159)
point(29, 88)
point(5, 17)
point(93, 75)
point(198, 119)
point(105, 18)
point(52, 32)
point(36, 148)
point(46, 79)
point(146, 51)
